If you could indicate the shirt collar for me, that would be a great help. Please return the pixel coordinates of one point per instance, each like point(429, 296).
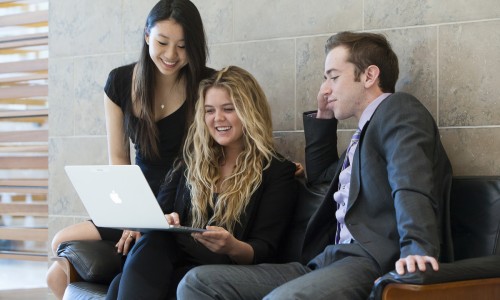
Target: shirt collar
point(370, 109)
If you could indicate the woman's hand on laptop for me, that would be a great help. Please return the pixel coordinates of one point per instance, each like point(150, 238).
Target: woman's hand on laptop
point(127, 241)
point(173, 218)
point(221, 241)
point(217, 239)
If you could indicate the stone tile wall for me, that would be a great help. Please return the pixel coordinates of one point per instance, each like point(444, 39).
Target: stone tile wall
point(448, 51)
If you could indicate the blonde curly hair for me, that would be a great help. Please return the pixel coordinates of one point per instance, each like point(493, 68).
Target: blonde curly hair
point(202, 153)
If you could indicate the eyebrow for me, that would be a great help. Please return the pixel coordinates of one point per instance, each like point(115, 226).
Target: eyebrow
point(330, 70)
point(223, 105)
point(167, 37)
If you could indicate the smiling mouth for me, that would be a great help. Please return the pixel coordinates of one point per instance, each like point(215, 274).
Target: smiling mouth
point(223, 128)
point(169, 64)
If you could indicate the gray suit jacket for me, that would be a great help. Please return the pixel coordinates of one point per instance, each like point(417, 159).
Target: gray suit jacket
point(400, 184)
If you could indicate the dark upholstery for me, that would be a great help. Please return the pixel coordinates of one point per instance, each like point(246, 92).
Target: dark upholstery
point(475, 223)
point(309, 200)
point(94, 261)
point(475, 217)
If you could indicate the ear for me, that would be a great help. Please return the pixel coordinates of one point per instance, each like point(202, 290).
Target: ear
point(146, 38)
point(372, 74)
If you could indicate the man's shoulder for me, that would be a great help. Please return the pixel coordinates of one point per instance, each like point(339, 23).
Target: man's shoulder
point(402, 108)
point(402, 96)
point(401, 101)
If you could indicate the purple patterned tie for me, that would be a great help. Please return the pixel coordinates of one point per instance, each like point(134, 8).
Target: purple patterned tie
point(345, 164)
point(354, 141)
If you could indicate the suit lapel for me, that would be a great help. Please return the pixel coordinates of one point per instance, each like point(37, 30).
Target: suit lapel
point(355, 183)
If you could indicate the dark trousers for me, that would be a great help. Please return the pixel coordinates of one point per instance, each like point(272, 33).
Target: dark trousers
point(147, 273)
point(157, 263)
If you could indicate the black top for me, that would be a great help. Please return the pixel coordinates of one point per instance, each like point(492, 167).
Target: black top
point(264, 221)
point(170, 129)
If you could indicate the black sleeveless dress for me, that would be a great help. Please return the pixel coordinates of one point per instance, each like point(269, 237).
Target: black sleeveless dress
point(171, 129)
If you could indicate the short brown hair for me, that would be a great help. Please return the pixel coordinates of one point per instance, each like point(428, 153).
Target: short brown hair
point(367, 49)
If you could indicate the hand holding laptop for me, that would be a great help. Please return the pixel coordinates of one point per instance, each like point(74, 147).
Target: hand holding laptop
point(173, 218)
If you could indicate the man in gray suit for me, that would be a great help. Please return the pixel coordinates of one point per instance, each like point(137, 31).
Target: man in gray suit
point(386, 199)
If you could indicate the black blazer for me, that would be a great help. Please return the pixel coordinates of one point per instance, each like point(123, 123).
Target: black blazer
point(400, 183)
point(266, 217)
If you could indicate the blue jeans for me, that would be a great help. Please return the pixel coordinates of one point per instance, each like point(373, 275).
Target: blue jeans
point(333, 274)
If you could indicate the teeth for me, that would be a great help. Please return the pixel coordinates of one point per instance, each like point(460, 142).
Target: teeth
point(223, 128)
point(169, 63)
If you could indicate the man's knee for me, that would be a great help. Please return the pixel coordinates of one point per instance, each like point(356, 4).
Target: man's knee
point(194, 283)
point(198, 276)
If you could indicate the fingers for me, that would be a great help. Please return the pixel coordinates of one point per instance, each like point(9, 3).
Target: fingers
point(434, 263)
point(323, 92)
point(121, 241)
point(127, 239)
point(412, 262)
point(173, 218)
point(299, 169)
point(217, 239)
point(213, 233)
point(128, 243)
point(325, 110)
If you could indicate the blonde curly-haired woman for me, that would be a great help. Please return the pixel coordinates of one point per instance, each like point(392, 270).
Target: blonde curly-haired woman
point(230, 181)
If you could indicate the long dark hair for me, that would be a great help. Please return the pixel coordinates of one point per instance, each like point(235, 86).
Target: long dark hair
point(185, 13)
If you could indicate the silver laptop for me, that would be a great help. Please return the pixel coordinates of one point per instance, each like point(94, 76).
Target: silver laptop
point(118, 196)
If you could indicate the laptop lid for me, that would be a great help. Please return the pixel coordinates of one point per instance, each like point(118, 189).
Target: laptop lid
point(119, 196)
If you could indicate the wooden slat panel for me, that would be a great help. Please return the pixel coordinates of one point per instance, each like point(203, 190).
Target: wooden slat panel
point(34, 120)
point(24, 182)
point(31, 256)
point(23, 234)
point(25, 66)
point(24, 149)
point(12, 3)
point(24, 162)
point(24, 18)
point(7, 114)
point(24, 186)
point(20, 2)
point(24, 190)
point(31, 36)
point(15, 79)
point(25, 209)
point(24, 43)
point(24, 52)
point(33, 198)
point(24, 91)
point(18, 149)
point(24, 136)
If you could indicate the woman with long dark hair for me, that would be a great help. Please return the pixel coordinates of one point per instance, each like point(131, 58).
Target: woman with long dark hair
point(150, 103)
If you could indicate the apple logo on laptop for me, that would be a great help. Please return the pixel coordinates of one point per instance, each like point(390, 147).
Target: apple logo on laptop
point(115, 197)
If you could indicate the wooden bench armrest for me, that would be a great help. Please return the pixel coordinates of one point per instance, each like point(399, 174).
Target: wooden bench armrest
point(458, 290)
